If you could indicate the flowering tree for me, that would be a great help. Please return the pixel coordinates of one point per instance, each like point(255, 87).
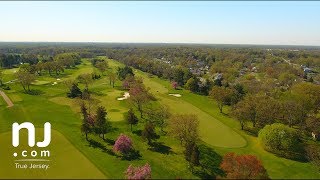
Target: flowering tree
point(243, 167)
point(123, 144)
point(143, 172)
point(174, 85)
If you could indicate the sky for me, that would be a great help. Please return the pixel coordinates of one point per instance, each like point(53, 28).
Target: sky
point(209, 22)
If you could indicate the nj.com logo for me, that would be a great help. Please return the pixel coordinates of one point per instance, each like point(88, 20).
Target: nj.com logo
point(31, 140)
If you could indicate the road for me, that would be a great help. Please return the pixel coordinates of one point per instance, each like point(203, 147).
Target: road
point(6, 98)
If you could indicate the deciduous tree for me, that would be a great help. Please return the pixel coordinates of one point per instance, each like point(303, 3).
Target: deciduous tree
point(25, 79)
point(123, 144)
point(243, 167)
point(222, 95)
point(131, 118)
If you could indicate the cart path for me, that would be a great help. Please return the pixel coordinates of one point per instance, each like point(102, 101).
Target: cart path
point(6, 98)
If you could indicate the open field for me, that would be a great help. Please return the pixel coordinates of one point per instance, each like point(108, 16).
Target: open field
point(218, 131)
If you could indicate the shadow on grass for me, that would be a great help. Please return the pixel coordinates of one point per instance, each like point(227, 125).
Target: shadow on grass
point(97, 93)
point(109, 141)
point(96, 144)
point(131, 155)
point(210, 161)
point(137, 132)
point(34, 92)
point(160, 148)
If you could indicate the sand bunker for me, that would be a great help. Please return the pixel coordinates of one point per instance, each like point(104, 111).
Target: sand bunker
point(125, 96)
point(175, 95)
point(54, 83)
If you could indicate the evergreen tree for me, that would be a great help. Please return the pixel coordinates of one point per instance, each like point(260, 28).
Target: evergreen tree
point(74, 91)
point(85, 127)
point(102, 125)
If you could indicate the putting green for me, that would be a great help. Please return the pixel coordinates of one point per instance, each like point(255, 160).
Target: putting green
point(65, 160)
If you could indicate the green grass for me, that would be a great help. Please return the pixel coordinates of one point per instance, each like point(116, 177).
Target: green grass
point(217, 131)
point(67, 161)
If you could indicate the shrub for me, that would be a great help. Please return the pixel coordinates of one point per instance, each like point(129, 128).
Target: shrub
point(282, 140)
point(143, 172)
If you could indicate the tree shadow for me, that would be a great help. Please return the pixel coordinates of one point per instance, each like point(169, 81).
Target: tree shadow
point(160, 148)
point(137, 132)
point(34, 92)
point(209, 163)
point(109, 141)
point(131, 155)
point(97, 93)
point(96, 144)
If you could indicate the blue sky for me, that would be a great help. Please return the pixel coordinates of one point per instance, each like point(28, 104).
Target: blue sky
point(295, 23)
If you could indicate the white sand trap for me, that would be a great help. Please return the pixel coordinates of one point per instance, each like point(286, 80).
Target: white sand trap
point(54, 83)
point(58, 79)
point(175, 95)
point(125, 96)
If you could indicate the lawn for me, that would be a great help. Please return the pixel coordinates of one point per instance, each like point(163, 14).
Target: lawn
point(218, 131)
point(66, 162)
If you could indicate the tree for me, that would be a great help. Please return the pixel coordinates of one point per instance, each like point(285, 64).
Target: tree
point(68, 59)
point(312, 91)
point(313, 154)
point(85, 79)
point(247, 109)
point(86, 125)
point(149, 132)
point(195, 156)
point(131, 118)
point(139, 96)
point(128, 81)
point(282, 140)
point(1, 77)
point(102, 66)
point(112, 78)
point(185, 128)
point(174, 85)
point(313, 125)
point(158, 115)
point(192, 84)
point(222, 95)
point(267, 110)
point(123, 144)
point(102, 125)
point(192, 153)
point(124, 72)
point(243, 167)
point(143, 172)
point(74, 91)
point(25, 79)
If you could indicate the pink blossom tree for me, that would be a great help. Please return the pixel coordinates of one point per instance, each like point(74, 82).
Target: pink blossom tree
point(123, 144)
point(174, 85)
point(143, 172)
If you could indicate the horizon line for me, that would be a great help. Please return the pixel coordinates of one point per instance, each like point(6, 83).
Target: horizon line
point(183, 43)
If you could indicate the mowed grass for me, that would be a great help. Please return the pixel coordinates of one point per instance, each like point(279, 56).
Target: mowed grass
point(212, 131)
point(66, 161)
point(53, 106)
point(277, 167)
point(218, 131)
